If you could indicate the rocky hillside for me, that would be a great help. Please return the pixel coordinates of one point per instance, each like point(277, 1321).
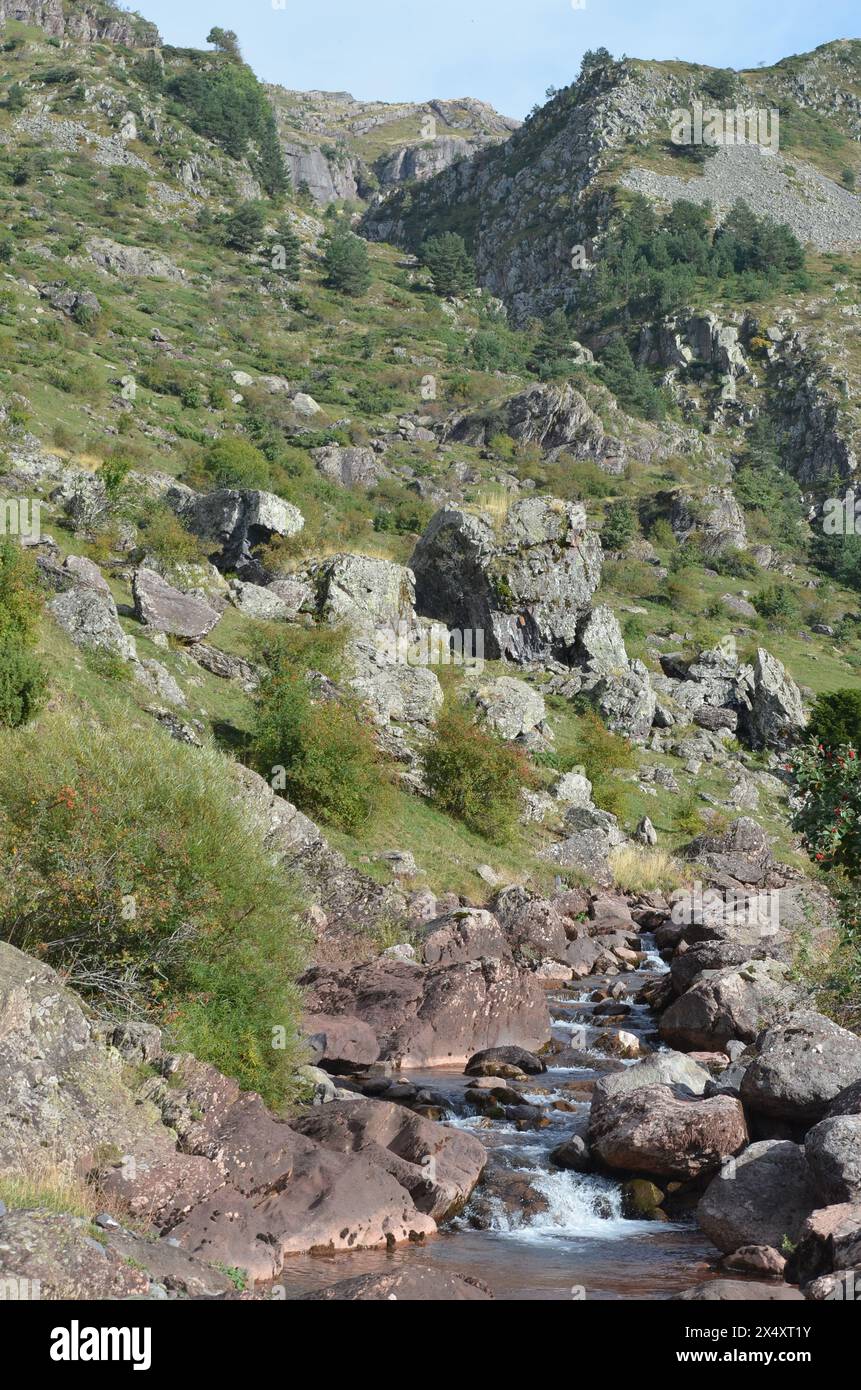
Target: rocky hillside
point(340, 148)
point(390, 667)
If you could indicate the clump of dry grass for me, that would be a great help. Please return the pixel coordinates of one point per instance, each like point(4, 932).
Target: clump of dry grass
point(47, 1185)
point(643, 869)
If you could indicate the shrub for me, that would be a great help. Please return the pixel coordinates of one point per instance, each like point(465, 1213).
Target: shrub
point(23, 683)
point(620, 525)
point(234, 462)
point(836, 719)
point(829, 814)
point(474, 776)
point(20, 594)
point(138, 874)
point(686, 815)
point(321, 755)
point(778, 602)
point(166, 537)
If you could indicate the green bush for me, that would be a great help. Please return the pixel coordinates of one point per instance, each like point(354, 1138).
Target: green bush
point(779, 603)
point(23, 683)
point(836, 719)
point(321, 755)
point(233, 462)
point(829, 810)
point(20, 594)
point(474, 776)
point(137, 873)
point(620, 525)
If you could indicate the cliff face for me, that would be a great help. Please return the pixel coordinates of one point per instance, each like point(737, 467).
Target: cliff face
point(82, 23)
point(343, 148)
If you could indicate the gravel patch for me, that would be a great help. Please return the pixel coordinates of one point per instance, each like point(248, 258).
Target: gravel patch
point(819, 211)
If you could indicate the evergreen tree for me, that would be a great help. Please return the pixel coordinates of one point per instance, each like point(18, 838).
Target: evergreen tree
point(289, 252)
point(243, 229)
point(450, 264)
point(348, 268)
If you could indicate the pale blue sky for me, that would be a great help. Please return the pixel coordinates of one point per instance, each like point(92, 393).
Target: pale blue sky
point(506, 52)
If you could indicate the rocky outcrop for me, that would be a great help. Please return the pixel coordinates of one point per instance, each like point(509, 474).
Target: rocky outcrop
point(525, 586)
point(726, 1004)
point(434, 1015)
point(556, 418)
point(763, 1197)
point(773, 713)
point(236, 523)
point(715, 519)
point(346, 896)
point(89, 617)
point(86, 23)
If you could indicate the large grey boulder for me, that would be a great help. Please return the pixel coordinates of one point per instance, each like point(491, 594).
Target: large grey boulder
point(467, 934)
point(348, 467)
point(590, 836)
point(162, 608)
point(738, 857)
point(235, 522)
point(716, 518)
point(363, 594)
point(61, 1091)
point(621, 688)
point(512, 709)
point(524, 584)
point(772, 714)
point(762, 1197)
point(661, 1069)
point(89, 617)
point(260, 603)
point(732, 1003)
point(800, 1067)
point(833, 1149)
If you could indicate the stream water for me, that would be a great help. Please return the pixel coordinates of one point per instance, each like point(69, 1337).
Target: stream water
point(568, 1239)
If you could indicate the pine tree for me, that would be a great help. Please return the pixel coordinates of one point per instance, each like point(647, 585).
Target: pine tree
point(288, 252)
point(450, 264)
point(346, 259)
